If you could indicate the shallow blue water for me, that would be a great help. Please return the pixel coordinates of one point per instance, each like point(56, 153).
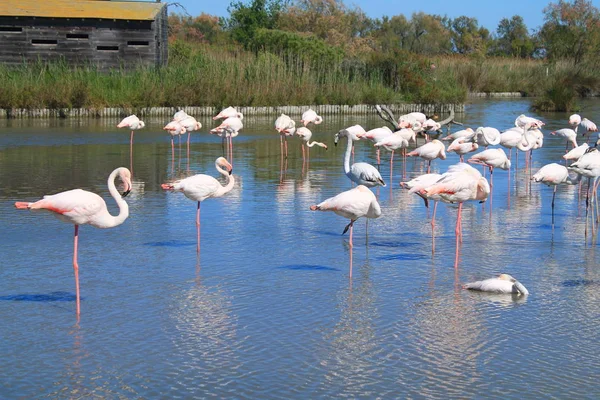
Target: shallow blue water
point(268, 310)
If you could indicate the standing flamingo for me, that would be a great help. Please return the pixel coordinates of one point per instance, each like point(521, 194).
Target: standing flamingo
point(361, 173)
point(392, 143)
point(588, 165)
point(468, 134)
point(175, 129)
point(491, 158)
point(588, 126)
point(132, 122)
point(410, 119)
point(228, 112)
point(510, 139)
point(190, 124)
point(310, 116)
point(577, 152)
point(430, 151)
point(352, 204)
point(79, 207)
point(459, 184)
point(201, 187)
point(377, 135)
point(568, 134)
point(487, 136)
point(286, 127)
point(461, 147)
point(227, 130)
point(415, 186)
point(554, 175)
point(306, 134)
point(504, 283)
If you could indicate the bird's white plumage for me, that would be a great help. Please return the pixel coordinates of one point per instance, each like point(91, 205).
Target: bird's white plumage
point(285, 125)
point(460, 183)
point(309, 116)
point(577, 152)
point(502, 284)
point(227, 113)
point(430, 151)
point(492, 157)
point(352, 204)
point(553, 174)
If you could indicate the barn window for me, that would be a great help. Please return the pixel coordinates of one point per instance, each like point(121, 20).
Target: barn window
point(77, 36)
point(44, 42)
point(108, 48)
point(11, 29)
point(138, 43)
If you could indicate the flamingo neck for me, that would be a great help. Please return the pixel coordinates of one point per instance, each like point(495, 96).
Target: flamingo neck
point(230, 182)
point(347, 156)
point(110, 221)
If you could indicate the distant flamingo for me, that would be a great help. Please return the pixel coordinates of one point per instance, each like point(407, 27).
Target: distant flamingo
point(588, 165)
point(306, 134)
point(568, 134)
point(430, 151)
point(487, 136)
point(351, 204)
point(361, 173)
point(310, 116)
point(286, 127)
point(461, 147)
point(588, 126)
point(408, 120)
point(577, 152)
point(132, 122)
point(554, 175)
point(468, 134)
point(377, 135)
point(79, 207)
point(227, 130)
point(227, 113)
point(190, 124)
point(392, 143)
point(175, 129)
point(504, 283)
point(459, 184)
point(201, 187)
point(510, 139)
point(491, 158)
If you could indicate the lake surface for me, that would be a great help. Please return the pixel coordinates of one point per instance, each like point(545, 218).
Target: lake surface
point(269, 310)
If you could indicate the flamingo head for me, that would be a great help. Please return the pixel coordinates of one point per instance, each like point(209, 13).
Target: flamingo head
point(125, 177)
point(575, 119)
point(483, 190)
point(222, 162)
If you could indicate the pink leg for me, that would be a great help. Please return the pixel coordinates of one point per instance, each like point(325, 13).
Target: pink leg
point(286, 149)
point(76, 268)
point(281, 144)
point(428, 166)
point(378, 159)
point(131, 139)
point(458, 229)
point(188, 145)
point(303, 155)
point(433, 228)
point(351, 228)
point(198, 228)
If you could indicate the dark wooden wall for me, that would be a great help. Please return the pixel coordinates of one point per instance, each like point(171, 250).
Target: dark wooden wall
point(104, 43)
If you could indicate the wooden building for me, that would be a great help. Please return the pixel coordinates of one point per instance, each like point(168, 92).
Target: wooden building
point(108, 34)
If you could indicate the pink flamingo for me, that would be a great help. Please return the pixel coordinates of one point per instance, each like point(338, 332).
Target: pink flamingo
point(568, 134)
point(577, 152)
point(392, 143)
point(468, 134)
point(79, 207)
point(588, 126)
point(461, 147)
point(377, 135)
point(306, 134)
point(309, 116)
point(408, 120)
point(554, 175)
point(229, 129)
point(286, 127)
point(430, 151)
point(228, 112)
point(201, 187)
point(491, 158)
point(175, 129)
point(352, 204)
point(190, 124)
point(132, 122)
point(461, 183)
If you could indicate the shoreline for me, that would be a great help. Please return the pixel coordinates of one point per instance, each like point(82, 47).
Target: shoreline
point(143, 112)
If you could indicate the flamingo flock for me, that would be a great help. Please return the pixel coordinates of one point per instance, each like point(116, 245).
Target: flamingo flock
point(459, 184)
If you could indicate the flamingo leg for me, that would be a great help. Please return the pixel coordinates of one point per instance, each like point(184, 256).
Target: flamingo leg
point(281, 144)
point(433, 227)
point(553, 196)
point(76, 268)
point(286, 147)
point(131, 139)
point(428, 166)
point(198, 229)
point(351, 228)
point(303, 155)
point(378, 159)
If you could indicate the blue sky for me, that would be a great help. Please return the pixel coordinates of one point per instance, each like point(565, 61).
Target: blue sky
point(487, 12)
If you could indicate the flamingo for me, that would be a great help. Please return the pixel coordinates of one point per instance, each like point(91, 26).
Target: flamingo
point(310, 116)
point(577, 152)
point(376, 135)
point(510, 139)
point(588, 126)
point(132, 122)
point(179, 115)
point(588, 165)
point(352, 204)
point(431, 127)
point(468, 134)
point(286, 127)
point(531, 134)
point(79, 207)
point(504, 283)
point(190, 124)
point(361, 173)
point(175, 129)
point(407, 120)
point(306, 134)
point(487, 136)
point(568, 134)
point(201, 187)
point(228, 129)
point(459, 184)
point(430, 151)
point(460, 147)
point(491, 158)
point(391, 143)
point(419, 183)
point(554, 175)
point(228, 112)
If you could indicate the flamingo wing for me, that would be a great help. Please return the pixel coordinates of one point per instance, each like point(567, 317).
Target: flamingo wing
point(366, 173)
point(198, 187)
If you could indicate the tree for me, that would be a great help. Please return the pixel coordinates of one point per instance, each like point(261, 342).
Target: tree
point(513, 38)
point(468, 37)
point(245, 19)
point(571, 30)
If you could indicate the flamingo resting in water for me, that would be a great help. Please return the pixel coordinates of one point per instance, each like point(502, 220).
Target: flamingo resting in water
point(351, 204)
point(286, 127)
point(201, 187)
point(504, 283)
point(309, 116)
point(79, 207)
